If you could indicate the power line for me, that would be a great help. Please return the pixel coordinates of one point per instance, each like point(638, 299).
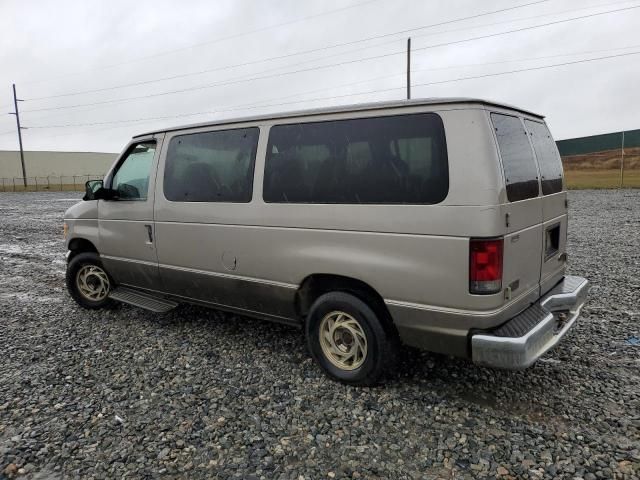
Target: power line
point(302, 52)
point(449, 81)
point(249, 77)
point(472, 77)
point(232, 108)
point(515, 60)
point(210, 42)
point(515, 20)
point(435, 33)
point(201, 72)
point(217, 84)
point(454, 42)
point(118, 121)
point(236, 107)
point(529, 69)
point(252, 105)
point(456, 79)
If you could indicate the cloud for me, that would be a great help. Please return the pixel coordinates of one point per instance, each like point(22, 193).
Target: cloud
point(50, 48)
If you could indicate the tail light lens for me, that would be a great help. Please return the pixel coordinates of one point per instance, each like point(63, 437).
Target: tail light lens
point(485, 266)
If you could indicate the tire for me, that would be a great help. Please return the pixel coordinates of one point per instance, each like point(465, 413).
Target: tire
point(354, 324)
point(96, 281)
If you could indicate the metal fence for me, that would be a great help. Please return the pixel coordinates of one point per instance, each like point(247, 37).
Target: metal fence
point(68, 183)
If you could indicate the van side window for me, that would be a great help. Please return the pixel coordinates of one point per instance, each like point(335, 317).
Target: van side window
point(385, 160)
point(131, 180)
point(520, 170)
point(211, 166)
point(548, 157)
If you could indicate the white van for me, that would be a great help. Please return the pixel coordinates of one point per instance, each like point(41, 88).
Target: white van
point(440, 224)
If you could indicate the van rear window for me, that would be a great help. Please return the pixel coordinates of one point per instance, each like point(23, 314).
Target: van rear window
point(518, 162)
point(548, 157)
point(384, 160)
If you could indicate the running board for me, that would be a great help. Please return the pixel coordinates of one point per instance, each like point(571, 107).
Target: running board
point(142, 299)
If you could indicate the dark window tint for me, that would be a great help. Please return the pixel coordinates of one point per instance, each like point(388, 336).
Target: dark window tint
point(211, 166)
point(396, 159)
point(548, 157)
point(519, 164)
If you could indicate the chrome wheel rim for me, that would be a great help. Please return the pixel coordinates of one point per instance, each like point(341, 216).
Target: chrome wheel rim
point(93, 283)
point(343, 340)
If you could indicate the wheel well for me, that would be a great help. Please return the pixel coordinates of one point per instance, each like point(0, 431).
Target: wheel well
point(318, 284)
point(81, 245)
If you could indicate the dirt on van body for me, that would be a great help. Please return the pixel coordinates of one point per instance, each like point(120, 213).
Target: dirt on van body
point(202, 394)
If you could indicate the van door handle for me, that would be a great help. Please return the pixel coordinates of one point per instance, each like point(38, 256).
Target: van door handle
point(149, 233)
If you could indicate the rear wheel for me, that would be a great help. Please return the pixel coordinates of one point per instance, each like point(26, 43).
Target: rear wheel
point(349, 340)
point(88, 282)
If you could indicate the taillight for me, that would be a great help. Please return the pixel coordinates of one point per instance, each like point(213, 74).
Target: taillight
point(485, 266)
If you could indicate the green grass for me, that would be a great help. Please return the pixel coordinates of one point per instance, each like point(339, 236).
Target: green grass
point(593, 178)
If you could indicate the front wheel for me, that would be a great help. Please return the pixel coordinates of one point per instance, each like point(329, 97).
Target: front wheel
point(88, 282)
point(349, 340)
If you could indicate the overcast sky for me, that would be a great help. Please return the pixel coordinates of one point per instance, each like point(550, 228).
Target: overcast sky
point(331, 52)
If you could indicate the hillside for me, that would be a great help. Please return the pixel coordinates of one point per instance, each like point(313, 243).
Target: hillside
point(603, 160)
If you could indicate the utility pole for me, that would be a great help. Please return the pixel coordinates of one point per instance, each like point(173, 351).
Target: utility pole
point(17, 114)
point(409, 68)
point(622, 162)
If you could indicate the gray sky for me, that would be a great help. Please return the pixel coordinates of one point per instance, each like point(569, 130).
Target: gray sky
point(51, 48)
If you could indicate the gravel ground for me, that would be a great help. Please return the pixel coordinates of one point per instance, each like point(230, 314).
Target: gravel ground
point(201, 394)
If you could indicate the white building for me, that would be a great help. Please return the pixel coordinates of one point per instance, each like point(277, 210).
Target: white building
point(55, 164)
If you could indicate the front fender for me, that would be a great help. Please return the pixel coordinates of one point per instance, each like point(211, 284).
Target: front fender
point(82, 223)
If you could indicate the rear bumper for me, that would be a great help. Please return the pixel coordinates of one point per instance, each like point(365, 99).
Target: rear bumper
point(522, 340)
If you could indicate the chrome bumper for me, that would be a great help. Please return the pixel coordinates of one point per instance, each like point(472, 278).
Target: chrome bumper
point(525, 338)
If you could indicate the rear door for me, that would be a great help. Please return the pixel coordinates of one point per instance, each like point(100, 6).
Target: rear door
point(554, 206)
point(523, 210)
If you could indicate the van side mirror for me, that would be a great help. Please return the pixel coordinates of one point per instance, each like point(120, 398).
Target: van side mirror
point(94, 190)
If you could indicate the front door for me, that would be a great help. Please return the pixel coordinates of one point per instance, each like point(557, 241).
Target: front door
point(127, 230)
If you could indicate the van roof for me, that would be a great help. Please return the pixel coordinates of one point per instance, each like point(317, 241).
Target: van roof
point(344, 109)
